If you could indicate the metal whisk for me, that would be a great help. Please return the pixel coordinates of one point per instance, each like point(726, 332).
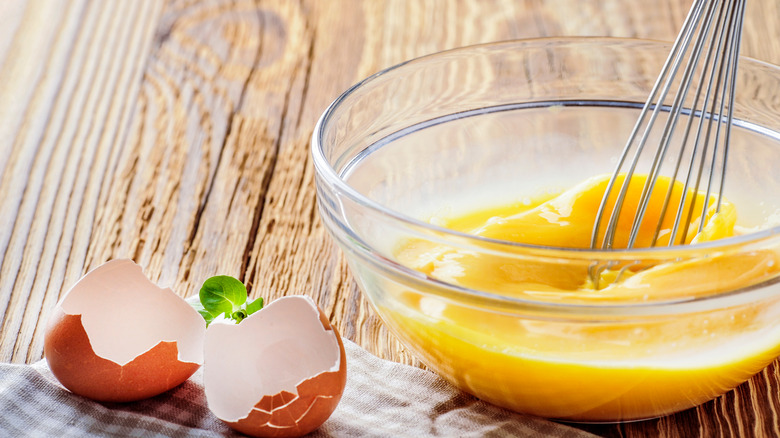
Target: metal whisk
point(703, 60)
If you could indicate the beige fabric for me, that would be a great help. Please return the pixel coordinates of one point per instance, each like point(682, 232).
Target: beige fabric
point(382, 399)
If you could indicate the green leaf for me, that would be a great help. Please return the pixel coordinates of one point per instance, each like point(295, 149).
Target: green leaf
point(194, 301)
point(222, 294)
point(238, 315)
point(207, 316)
point(254, 306)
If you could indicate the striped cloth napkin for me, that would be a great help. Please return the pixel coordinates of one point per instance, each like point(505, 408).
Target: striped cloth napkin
point(382, 398)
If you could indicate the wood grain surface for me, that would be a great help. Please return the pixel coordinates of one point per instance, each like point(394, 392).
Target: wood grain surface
point(177, 134)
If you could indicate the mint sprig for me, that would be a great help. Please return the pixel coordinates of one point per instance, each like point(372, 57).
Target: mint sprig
point(224, 295)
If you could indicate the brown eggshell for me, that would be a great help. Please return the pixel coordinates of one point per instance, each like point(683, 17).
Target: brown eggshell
point(117, 337)
point(79, 369)
point(279, 373)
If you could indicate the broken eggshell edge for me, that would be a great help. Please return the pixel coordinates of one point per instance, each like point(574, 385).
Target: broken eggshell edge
point(116, 336)
point(280, 372)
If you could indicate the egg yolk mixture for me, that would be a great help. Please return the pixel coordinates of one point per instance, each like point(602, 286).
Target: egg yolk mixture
point(608, 369)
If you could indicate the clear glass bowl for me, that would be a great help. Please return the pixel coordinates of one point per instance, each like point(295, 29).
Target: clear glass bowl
point(489, 125)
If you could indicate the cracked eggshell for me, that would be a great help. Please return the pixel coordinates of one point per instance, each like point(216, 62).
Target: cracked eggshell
point(115, 336)
point(279, 373)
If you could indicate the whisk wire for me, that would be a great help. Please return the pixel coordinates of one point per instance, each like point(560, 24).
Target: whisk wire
point(735, 37)
point(688, 26)
point(712, 28)
point(709, 116)
point(735, 50)
point(666, 137)
point(684, 140)
point(725, 90)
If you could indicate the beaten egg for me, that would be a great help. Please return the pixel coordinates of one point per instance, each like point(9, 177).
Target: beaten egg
point(616, 368)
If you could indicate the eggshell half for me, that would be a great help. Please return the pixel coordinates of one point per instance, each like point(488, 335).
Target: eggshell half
point(279, 373)
point(116, 336)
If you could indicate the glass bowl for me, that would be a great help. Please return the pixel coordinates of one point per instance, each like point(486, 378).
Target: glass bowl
point(498, 124)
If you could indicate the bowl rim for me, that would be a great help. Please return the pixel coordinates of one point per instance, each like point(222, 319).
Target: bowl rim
point(331, 177)
point(327, 171)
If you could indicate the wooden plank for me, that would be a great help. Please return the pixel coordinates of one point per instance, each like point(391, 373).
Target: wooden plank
point(70, 112)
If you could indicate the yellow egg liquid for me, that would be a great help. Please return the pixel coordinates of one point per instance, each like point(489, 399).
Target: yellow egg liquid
point(606, 368)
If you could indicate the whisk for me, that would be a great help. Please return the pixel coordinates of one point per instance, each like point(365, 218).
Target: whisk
point(703, 60)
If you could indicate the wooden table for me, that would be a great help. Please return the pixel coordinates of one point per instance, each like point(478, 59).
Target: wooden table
point(177, 134)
